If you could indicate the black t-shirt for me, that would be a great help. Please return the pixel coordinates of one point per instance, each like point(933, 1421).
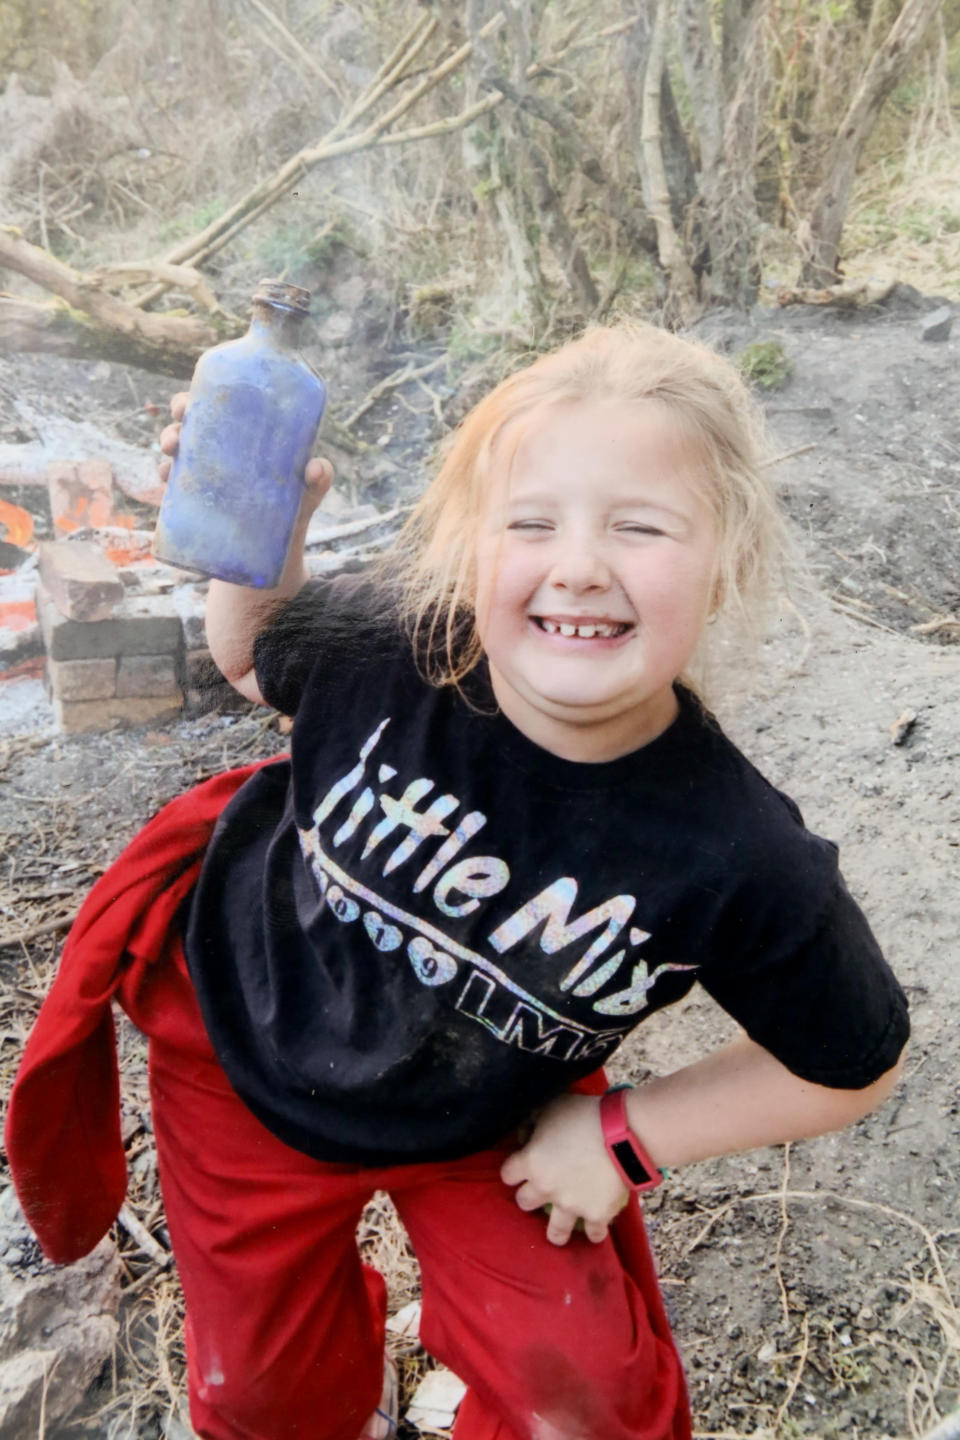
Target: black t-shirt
point(423, 926)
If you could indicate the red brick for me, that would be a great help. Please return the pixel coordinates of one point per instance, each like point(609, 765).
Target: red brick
point(80, 580)
point(146, 675)
point(82, 679)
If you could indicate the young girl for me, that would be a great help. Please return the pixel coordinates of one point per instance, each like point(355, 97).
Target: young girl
point(507, 833)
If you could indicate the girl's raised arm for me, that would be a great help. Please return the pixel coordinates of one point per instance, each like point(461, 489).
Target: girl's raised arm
point(236, 613)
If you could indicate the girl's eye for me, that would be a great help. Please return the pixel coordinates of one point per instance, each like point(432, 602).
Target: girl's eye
point(636, 528)
point(529, 525)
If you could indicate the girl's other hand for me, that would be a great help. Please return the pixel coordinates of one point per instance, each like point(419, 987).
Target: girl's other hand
point(317, 478)
point(565, 1165)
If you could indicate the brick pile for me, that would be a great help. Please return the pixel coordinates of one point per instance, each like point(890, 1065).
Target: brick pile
point(124, 641)
point(124, 635)
point(110, 656)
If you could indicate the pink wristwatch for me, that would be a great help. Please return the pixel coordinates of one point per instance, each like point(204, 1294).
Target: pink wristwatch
point(636, 1169)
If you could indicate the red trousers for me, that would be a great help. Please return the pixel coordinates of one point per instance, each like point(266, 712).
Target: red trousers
point(284, 1325)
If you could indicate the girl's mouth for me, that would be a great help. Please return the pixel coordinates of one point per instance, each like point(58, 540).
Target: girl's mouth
point(583, 629)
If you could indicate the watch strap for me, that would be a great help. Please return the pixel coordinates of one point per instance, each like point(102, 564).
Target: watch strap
point(627, 1152)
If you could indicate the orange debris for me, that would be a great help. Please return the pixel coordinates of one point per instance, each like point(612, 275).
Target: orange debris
point(30, 669)
point(17, 614)
point(17, 525)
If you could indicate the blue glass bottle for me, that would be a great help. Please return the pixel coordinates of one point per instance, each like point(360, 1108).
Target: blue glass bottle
point(236, 482)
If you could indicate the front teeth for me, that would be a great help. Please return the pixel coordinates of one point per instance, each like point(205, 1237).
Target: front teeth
point(582, 632)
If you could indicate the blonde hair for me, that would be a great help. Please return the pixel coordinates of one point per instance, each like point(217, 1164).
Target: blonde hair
point(431, 566)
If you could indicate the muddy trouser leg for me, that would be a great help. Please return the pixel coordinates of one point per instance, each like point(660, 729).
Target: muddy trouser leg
point(284, 1323)
point(555, 1342)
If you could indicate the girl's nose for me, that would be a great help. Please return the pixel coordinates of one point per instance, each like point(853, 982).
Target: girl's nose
point(581, 567)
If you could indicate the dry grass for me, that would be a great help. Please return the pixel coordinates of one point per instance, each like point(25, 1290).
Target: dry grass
point(905, 219)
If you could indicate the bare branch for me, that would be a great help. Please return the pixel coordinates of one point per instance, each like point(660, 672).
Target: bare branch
point(295, 45)
point(682, 280)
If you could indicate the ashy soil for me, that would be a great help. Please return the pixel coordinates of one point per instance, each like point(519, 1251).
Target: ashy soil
point(814, 1290)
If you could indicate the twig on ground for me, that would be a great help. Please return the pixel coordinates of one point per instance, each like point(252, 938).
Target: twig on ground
point(399, 377)
point(49, 927)
point(142, 1281)
point(864, 619)
point(784, 1227)
point(139, 1232)
point(789, 455)
point(931, 627)
point(795, 1381)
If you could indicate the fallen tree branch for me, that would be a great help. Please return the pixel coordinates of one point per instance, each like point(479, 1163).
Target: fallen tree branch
point(93, 321)
point(139, 272)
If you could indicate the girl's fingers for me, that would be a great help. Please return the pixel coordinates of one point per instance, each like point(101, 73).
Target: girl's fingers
point(528, 1197)
point(170, 439)
point(560, 1225)
point(163, 470)
point(595, 1232)
point(513, 1169)
point(318, 476)
point(179, 403)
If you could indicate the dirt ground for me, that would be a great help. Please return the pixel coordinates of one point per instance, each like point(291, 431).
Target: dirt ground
point(815, 1291)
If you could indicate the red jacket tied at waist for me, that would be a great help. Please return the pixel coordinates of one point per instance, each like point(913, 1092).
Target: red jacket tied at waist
point(63, 1125)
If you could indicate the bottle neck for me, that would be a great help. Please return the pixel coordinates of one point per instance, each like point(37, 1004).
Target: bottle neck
point(272, 325)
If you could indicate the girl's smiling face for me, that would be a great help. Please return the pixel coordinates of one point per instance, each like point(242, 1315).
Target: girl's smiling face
point(595, 574)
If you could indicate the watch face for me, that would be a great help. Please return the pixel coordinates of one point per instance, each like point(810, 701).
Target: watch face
point(630, 1163)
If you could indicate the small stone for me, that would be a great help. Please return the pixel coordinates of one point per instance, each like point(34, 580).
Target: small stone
point(937, 324)
point(58, 1327)
point(79, 579)
point(902, 727)
point(435, 1401)
point(406, 1322)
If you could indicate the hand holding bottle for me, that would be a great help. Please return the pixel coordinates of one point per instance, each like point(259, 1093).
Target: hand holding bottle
point(317, 479)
